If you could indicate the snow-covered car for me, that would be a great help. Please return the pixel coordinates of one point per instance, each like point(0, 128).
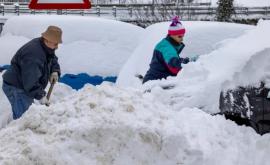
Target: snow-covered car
point(247, 105)
point(91, 46)
point(246, 98)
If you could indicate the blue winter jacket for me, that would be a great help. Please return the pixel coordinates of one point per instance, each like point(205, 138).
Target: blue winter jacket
point(165, 61)
point(31, 67)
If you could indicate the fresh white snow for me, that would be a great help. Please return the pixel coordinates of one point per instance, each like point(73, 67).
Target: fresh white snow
point(121, 124)
point(109, 125)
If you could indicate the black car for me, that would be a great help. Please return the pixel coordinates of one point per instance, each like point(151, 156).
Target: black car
point(247, 105)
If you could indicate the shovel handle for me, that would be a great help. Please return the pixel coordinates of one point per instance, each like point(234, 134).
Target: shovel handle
point(50, 92)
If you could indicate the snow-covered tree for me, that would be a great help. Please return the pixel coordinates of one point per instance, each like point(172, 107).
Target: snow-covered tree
point(225, 10)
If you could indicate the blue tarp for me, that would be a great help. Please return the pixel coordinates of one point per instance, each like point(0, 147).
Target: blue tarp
point(3, 67)
point(79, 80)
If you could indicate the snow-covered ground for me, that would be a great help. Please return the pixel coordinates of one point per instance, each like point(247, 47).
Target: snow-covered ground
point(106, 125)
point(118, 125)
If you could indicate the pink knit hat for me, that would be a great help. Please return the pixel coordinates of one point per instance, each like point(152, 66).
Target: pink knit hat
point(176, 27)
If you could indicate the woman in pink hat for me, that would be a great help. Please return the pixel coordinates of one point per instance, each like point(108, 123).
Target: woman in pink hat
point(166, 60)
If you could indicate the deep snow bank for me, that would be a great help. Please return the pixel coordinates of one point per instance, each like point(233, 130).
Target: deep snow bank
point(60, 91)
point(106, 125)
point(90, 45)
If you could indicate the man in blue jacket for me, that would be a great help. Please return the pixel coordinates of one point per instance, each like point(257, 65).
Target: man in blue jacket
point(33, 65)
point(166, 61)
